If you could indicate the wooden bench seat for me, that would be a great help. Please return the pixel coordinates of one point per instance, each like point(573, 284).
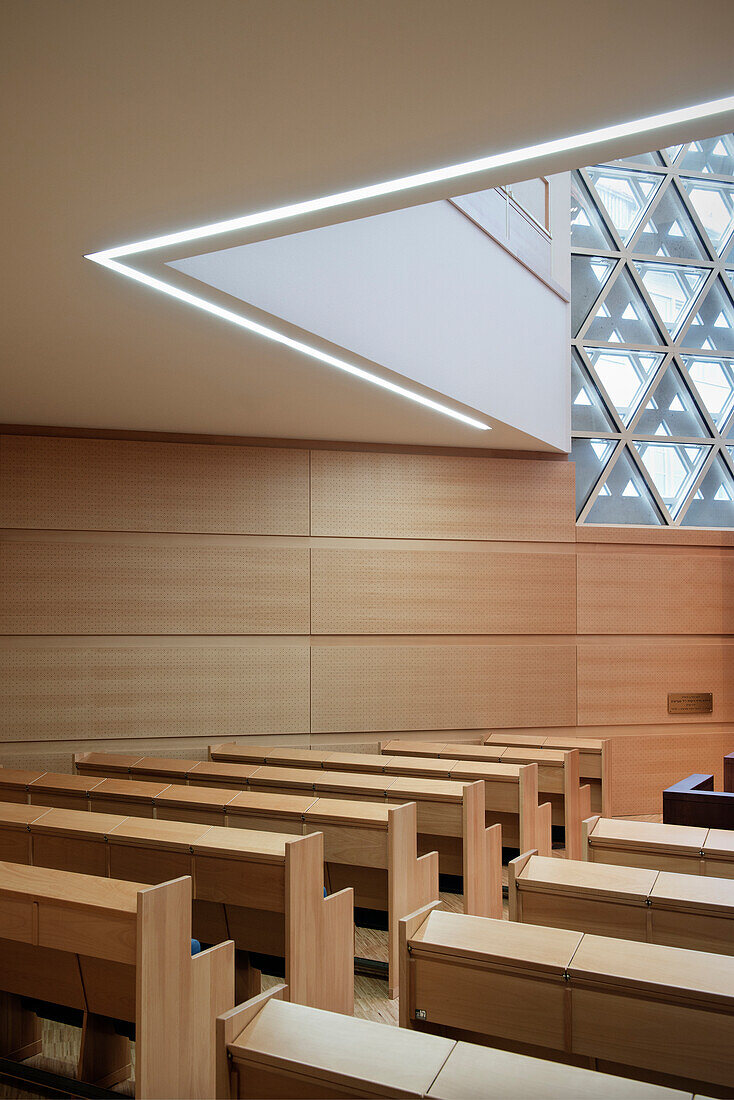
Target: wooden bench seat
point(113, 952)
point(511, 793)
point(447, 811)
point(625, 902)
point(664, 1014)
point(264, 890)
point(558, 775)
point(685, 849)
point(368, 846)
point(269, 1047)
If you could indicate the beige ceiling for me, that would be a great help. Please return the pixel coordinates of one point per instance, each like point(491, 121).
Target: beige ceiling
point(127, 118)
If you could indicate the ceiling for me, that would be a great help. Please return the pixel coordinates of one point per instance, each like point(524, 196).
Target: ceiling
point(127, 119)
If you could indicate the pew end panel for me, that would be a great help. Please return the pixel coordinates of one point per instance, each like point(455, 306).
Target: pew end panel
point(514, 868)
point(412, 880)
point(178, 998)
point(587, 828)
point(408, 927)
point(319, 931)
point(231, 1024)
point(535, 820)
point(482, 856)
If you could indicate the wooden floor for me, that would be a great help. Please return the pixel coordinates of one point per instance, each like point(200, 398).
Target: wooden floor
point(61, 1042)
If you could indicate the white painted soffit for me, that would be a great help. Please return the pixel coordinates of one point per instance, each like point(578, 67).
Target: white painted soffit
point(146, 261)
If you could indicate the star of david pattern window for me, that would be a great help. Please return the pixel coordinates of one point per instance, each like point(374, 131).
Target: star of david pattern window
point(652, 355)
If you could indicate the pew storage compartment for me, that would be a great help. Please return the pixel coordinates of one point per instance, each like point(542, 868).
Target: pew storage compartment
point(269, 1048)
point(633, 903)
point(114, 954)
point(645, 844)
point(662, 1014)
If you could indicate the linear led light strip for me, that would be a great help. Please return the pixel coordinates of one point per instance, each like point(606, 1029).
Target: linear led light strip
point(110, 257)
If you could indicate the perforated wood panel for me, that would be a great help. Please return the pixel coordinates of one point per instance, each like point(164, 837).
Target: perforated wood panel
point(442, 592)
point(114, 485)
point(60, 692)
point(430, 496)
point(643, 766)
point(441, 687)
point(628, 682)
point(655, 592)
point(54, 587)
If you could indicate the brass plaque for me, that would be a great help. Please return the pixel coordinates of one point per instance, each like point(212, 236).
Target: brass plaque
point(690, 702)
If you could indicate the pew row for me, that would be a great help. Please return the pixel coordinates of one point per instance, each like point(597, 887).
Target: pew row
point(685, 849)
point(632, 903)
point(451, 815)
point(595, 759)
point(663, 1014)
point(269, 1047)
point(112, 954)
point(693, 801)
point(558, 776)
point(368, 846)
point(511, 793)
point(264, 891)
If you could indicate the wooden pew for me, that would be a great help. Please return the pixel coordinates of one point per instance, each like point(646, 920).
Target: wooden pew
point(511, 794)
point(595, 759)
point(271, 1048)
point(450, 814)
point(664, 1014)
point(113, 951)
point(693, 801)
point(370, 847)
point(686, 849)
point(262, 890)
point(558, 776)
point(624, 902)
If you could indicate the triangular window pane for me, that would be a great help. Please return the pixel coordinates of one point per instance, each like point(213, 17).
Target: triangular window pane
point(624, 497)
point(628, 316)
point(712, 327)
point(676, 411)
point(714, 203)
point(587, 227)
point(671, 232)
point(674, 151)
point(626, 195)
point(588, 276)
point(625, 375)
point(588, 413)
point(714, 381)
point(672, 468)
point(673, 289)
point(710, 155)
point(713, 504)
point(591, 457)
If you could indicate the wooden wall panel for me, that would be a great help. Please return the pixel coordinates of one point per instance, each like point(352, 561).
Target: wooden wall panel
point(163, 587)
point(642, 766)
point(627, 683)
point(653, 591)
point(442, 592)
point(152, 690)
point(391, 688)
point(378, 495)
point(115, 485)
